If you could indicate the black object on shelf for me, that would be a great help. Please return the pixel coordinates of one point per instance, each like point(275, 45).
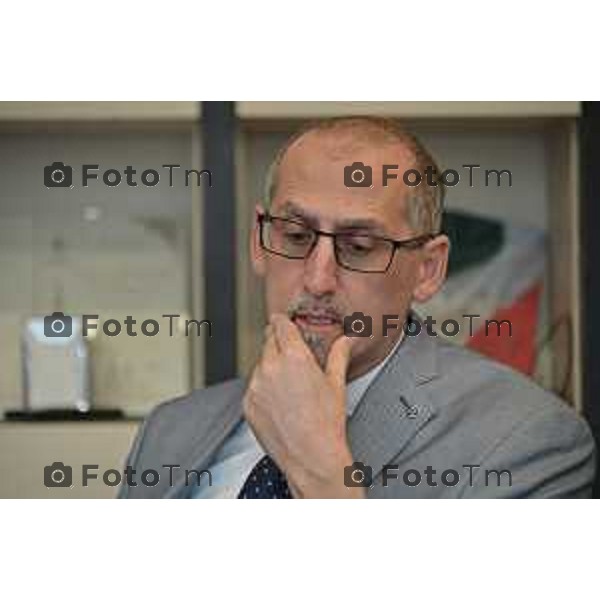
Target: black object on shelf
point(109, 414)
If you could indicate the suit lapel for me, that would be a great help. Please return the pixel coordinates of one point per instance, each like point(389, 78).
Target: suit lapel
point(395, 407)
point(210, 434)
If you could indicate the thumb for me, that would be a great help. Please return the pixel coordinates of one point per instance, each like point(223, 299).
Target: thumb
point(338, 359)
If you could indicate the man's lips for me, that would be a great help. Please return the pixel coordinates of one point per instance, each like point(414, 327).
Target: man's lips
point(316, 319)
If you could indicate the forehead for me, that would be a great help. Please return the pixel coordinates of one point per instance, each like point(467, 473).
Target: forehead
point(311, 177)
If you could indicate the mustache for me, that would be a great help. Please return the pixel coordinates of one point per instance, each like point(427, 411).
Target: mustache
point(323, 307)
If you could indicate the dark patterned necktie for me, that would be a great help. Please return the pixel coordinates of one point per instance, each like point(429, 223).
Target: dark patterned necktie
point(266, 480)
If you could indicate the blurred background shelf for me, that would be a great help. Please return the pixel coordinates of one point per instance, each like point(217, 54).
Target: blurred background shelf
point(407, 110)
point(26, 448)
point(101, 111)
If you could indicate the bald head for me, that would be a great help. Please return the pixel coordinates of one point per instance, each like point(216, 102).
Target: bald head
point(345, 138)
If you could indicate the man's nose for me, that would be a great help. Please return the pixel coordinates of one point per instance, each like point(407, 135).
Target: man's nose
point(321, 269)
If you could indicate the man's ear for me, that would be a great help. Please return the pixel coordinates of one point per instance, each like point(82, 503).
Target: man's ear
point(257, 254)
point(432, 268)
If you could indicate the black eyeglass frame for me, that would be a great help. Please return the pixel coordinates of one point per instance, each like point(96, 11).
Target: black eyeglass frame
point(410, 244)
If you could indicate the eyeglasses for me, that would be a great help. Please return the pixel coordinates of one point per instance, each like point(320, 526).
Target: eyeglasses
point(353, 251)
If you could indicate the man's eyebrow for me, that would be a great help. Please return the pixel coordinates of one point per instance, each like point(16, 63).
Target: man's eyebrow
point(369, 225)
point(293, 211)
point(289, 209)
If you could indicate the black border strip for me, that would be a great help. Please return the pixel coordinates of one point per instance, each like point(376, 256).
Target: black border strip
point(589, 136)
point(219, 241)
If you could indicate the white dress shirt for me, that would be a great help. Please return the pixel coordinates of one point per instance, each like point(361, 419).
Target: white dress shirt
point(236, 458)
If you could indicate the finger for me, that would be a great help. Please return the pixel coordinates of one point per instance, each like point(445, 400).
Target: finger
point(338, 360)
point(287, 334)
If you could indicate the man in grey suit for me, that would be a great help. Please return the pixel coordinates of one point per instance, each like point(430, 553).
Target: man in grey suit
point(326, 414)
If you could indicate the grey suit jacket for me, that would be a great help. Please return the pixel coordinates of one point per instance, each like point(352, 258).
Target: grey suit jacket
point(433, 406)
